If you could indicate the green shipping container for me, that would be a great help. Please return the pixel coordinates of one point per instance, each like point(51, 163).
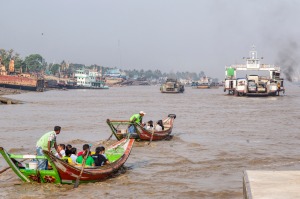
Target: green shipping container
point(230, 72)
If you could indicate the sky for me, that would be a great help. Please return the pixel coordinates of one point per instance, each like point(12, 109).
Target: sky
point(169, 35)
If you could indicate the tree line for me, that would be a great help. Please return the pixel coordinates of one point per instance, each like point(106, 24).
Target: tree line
point(35, 63)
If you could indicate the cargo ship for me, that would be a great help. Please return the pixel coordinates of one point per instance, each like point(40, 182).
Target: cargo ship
point(253, 84)
point(11, 79)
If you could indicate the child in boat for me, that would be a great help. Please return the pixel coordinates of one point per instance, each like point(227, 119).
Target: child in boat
point(89, 160)
point(99, 157)
point(68, 159)
point(159, 126)
point(73, 154)
point(61, 151)
point(70, 156)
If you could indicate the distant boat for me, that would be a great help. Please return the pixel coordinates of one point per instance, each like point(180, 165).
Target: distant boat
point(203, 85)
point(85, 79)
point(120, 129)
point(253, 84)
point(172, 86)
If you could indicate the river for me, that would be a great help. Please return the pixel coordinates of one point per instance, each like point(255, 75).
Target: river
point(216, 138)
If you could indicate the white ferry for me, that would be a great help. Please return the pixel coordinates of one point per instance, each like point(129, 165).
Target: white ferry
point(87, 79)
point(253, 84)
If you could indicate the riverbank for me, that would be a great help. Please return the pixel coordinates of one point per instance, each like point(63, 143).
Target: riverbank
point(10, 91)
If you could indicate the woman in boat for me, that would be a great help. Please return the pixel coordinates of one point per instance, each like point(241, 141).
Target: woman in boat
point(99, 157)
point(84, 148)
point(149, 125)
point(159, 126)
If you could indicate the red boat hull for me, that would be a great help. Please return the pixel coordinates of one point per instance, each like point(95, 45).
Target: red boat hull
point(69, 173)
point(120, 129)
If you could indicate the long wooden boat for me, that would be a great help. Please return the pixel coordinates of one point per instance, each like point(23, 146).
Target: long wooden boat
point(120, 129)
point(64, 173)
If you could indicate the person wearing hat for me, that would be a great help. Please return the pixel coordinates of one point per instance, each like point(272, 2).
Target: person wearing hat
point(136, 118)
point(46, 142)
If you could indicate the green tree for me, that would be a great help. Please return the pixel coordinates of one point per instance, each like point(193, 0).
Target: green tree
point(8, 55)
point(19, 63)
point(35, 63)
point(54, 68)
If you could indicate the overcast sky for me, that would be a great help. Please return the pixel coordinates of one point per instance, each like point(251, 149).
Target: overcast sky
point(170, 35)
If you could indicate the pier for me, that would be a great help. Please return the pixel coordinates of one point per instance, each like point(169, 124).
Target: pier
point(271, 184)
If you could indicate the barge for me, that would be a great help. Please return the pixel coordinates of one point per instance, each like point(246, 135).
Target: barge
point(11, 79)
point(253, 84)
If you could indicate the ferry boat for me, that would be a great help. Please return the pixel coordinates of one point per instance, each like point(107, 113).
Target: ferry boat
point(172, 86)
point(253, 84)
point(85, 79)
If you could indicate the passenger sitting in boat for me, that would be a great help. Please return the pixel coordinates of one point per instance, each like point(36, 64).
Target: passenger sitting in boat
point(61, 151)
point(149, 125)
point(99, 157)
point(69, 158)
point(68, 147)
point(89, 160)
point(73, 154)
point(159, 126)
point(84, 148)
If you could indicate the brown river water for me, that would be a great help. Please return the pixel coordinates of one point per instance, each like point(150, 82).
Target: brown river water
point(216, 138)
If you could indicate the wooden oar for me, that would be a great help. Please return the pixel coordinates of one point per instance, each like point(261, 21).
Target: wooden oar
point(83, 165)
point(152, 135)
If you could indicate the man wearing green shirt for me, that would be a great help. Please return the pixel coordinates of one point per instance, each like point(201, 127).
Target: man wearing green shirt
point(46, 142)
point(136, 118)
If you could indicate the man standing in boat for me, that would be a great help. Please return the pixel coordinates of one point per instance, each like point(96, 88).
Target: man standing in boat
point(136, 118)
point(46, 142)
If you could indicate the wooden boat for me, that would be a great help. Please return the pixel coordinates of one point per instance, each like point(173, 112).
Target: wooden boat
point(64, 173)
point(120, 129)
